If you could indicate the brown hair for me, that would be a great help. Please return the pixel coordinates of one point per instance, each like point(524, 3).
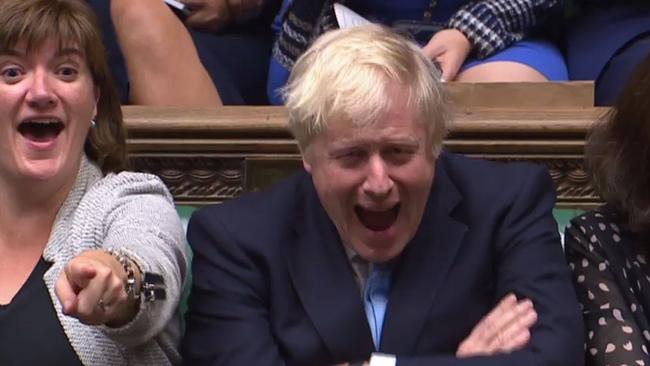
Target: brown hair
point(72, 22)
point(617, 153)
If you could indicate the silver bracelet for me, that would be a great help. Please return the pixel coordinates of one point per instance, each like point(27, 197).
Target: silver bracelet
point(132, 291)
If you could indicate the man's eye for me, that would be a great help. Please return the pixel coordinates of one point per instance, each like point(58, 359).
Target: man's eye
point(351, 157)
point(399, 151)
point(398, 155)
point(355, 154)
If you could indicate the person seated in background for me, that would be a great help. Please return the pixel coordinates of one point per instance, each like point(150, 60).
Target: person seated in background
point(608, 248)
point(384, 243)
point(605, 40)
point(152, 55)
point(220, 55)
point(92, 258)
point(474, 41)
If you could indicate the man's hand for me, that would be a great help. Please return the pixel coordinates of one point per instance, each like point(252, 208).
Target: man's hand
point(213, 15)
point(91, 289)
point(450, 48)
point(505, 329)
point(209, 15)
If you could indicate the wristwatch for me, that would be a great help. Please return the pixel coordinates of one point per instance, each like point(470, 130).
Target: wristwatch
point(382, 359)
point(152, 286)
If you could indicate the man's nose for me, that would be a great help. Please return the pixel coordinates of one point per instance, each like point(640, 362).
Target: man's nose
point(378, 183)
point(40, 94)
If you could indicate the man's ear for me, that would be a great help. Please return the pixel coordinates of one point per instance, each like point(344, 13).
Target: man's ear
point(306, 159)
point(306, 164)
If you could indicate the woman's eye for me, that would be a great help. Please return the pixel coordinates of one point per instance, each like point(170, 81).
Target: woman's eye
point(11, 74)
point(67, 72)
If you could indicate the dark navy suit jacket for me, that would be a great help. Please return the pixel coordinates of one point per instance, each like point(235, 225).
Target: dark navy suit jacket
point(272, 284)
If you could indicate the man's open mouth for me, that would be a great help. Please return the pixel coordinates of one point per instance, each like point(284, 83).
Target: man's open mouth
point(40, 130)
point(377, 220)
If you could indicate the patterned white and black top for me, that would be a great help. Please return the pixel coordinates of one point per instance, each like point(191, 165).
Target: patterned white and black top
point(490, 25)
point(613, 285)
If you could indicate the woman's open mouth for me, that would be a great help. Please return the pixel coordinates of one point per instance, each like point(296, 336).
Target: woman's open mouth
point(41, 131)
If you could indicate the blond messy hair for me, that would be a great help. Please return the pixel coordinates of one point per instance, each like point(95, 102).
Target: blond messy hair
point(347, 75)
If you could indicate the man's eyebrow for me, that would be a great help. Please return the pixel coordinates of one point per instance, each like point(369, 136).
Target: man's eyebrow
point(403, 140)
point(352, 143)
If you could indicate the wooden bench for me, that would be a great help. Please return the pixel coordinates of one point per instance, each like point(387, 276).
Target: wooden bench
point(211, 155)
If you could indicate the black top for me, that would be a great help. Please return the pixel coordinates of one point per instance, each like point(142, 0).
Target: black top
point(613, 283)
point(30, 332)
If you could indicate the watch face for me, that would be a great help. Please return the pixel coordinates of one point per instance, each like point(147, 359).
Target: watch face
point(153, 287)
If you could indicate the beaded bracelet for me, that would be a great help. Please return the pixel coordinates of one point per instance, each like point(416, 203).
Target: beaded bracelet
point(132, 292)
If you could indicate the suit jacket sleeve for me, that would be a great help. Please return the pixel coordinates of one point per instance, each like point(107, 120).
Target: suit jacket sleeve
point(143, 222)
point(228, 319)
point(531, 265)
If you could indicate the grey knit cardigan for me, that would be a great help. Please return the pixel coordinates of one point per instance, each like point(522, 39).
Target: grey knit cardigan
point(132, 212)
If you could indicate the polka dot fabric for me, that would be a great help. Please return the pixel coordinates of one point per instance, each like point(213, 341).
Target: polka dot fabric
point(613, 285)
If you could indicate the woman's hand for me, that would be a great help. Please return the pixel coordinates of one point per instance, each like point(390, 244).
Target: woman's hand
point(92, 289)
point(450, 48)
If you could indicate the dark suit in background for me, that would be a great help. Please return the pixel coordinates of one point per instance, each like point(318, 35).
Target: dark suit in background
point(605, 42)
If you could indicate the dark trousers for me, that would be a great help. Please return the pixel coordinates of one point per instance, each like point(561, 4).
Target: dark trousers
point(620, 67)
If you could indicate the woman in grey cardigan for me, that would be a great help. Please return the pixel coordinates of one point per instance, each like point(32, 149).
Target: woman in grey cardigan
point(92, 258)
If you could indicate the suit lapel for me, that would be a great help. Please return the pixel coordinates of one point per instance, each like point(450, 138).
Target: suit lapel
point(423, 268)
point(324, 281)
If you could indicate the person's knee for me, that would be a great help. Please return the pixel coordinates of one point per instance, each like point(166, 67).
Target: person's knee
point(144, 24)
point(501, 71)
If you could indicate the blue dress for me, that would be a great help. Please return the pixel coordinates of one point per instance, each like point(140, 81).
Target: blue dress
point(537, 53)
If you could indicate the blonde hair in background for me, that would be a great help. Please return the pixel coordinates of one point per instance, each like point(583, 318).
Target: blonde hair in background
point(347, 76)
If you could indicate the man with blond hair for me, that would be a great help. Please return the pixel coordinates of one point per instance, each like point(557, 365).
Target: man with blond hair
point(385, 249)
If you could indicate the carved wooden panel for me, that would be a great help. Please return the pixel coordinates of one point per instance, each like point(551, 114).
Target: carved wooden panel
point(201, 179)
point(194, 179)
point(212, 155)
point(572, 184)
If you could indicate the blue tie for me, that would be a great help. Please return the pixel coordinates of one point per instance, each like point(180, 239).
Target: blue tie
point(376, 298)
